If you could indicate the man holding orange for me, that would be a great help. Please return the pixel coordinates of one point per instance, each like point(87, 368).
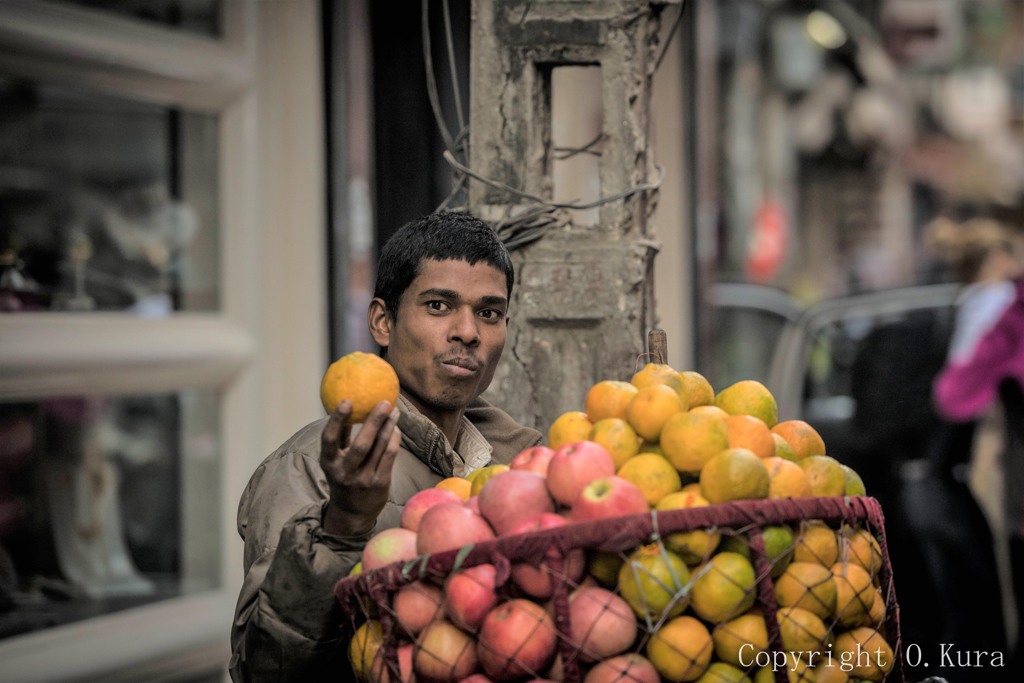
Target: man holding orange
point(440, 316)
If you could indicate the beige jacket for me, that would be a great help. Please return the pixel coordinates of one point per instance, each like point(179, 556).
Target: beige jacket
point(287, 624)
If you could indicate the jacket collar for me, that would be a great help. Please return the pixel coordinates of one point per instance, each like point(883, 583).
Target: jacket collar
point(426, 441)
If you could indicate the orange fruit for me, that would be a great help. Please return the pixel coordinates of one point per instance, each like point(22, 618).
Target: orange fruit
point(830, 671)
point(681, 649)
point(749, 397)
point(723, 588)
point(690, 439)
point(786, 479)
point(696, 545)
point(855, 594)
point(801, 630)
point(747, 431)
point(778, 547)
point(692, 487)
point(734, 474)
point(709, 410)
point(653, 581)
point(783, 449)
point(657, 373)
point(825, 475)
point(362, 378)
point(617, 437)
point(858, 545)
point(720, 672)
point(652, 474)
point(363, 647)
point(604, 566)
point(809, 586)
point(608, 398)
point(797, 668)
point(651, 407)
point(477, 478)
point(458, 485)
point(697, 389)
point(850, 645)
point(876, 615)
point(804, 438)
point(816, 542)
point(854, 484)
point(747, 631)
point(569, 427)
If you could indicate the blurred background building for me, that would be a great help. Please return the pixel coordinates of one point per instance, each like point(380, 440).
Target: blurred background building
point(192, 192)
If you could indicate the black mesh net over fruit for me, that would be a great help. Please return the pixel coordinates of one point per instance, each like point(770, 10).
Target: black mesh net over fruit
point(747, 588)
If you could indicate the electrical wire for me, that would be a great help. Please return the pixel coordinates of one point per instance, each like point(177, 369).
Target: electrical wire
point(648, 187)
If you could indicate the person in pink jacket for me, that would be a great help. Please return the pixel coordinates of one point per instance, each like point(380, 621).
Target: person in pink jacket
point(968, 385)
point(992, 375)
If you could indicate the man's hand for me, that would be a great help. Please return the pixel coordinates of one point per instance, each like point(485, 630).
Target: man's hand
point(358, 473)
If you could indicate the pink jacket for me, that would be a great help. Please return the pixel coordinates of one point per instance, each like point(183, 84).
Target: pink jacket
point(967, 386)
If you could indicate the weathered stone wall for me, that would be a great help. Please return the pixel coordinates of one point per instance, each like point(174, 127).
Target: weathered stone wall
point(584, 297)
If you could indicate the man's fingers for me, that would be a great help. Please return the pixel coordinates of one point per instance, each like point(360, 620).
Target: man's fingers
point(387, 458)
point(361, 452)
point(336, 432)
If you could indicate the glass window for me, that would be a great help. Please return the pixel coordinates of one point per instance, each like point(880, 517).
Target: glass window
point(106, 204)
point(195, 16)
point(105, 504)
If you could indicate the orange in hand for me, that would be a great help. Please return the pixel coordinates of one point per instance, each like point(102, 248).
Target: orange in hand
point(362, 378)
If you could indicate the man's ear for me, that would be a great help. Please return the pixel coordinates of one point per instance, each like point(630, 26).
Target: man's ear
point(379, 322)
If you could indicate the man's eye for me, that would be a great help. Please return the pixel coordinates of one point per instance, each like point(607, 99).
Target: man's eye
point(491, 314)
point(437, 305)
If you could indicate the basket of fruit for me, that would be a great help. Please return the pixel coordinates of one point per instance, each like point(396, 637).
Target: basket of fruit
point(666, 533)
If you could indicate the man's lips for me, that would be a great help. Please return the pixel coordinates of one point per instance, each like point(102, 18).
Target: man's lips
point(461, 366)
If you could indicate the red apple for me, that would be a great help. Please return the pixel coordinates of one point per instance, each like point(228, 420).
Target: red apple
point(390, 545)
point(535, 579)
point(631, 667)
point(510, 497)
point(470, 594)
point(450, 525)
point(444, 653)
point(476, 678)
point(416, 604)
point(473, 503)
point(533, 459)
point(603, 624)
point(421, 501)
point(517, 637)
point(379, 672)
point(575, 465)
point(609, 497)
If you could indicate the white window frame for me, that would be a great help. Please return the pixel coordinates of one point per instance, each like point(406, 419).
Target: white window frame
point(264, 350)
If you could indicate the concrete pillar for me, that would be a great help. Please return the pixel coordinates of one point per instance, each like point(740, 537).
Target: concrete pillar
point(584, 295)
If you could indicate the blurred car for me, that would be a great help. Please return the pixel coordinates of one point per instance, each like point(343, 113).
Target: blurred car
point(859, 368)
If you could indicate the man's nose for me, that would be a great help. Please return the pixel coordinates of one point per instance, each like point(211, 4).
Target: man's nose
point(464, 327)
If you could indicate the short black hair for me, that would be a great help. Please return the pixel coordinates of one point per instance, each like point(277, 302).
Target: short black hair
point(443, 236)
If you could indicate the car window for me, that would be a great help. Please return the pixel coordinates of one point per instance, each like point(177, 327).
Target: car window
point(860, 369)
point(747, 322)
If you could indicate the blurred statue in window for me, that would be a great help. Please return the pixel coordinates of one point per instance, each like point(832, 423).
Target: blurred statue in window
point(124, 250)
point(82, 486)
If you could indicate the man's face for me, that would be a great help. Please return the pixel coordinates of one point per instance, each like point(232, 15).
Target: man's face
point(448, 335)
